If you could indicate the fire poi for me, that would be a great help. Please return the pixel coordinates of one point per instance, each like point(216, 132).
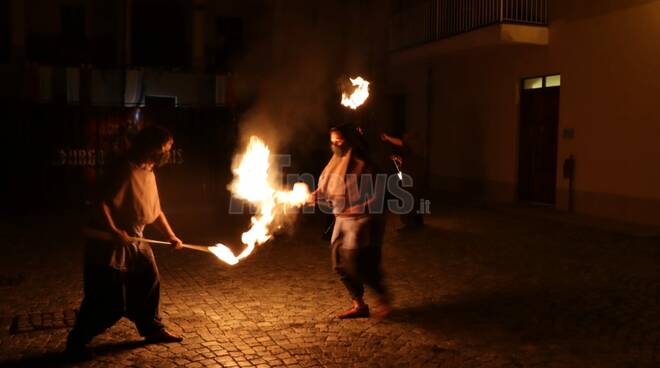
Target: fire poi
point(359, 94)
point(356, 98)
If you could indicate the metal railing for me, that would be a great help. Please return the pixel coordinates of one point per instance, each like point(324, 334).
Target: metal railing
point(438, 19)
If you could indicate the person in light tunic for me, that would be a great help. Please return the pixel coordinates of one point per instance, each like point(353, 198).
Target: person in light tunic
point(121, 277)
point(359, 224)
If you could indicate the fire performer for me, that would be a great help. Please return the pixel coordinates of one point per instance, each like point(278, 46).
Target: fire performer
point(358, 232)
point(120, 276)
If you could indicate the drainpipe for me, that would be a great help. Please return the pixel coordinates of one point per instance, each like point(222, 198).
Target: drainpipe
point(569, 173)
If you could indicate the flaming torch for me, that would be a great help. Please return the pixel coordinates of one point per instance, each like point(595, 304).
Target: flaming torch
point(219, 250)
point(252, 183)
point(359, 94)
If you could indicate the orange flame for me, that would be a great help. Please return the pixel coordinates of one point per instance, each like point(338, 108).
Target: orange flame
point(252, 183)
point(224, 254)
point(358, 96)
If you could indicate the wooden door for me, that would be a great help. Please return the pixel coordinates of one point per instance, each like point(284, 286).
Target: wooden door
point(537, 169)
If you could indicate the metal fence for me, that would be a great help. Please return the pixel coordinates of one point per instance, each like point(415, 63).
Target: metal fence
point(438, 19)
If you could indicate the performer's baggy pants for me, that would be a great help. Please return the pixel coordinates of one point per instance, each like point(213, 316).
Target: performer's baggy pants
point(129, 289)
point(356, 254)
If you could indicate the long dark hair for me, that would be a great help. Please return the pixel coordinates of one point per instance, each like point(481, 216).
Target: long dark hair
point(355, 140)
point(148, 143)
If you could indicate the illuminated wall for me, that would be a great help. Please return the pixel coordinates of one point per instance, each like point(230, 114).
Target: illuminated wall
point(608, 58)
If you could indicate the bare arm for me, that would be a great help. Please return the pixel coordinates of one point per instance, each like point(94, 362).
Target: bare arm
point(367, 205)
point(364, 207)
point(314, 197)
point(110, 222)
point(164, 226)
point(392, 140)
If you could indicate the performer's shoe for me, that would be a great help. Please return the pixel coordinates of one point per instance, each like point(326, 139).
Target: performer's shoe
point(76, 348)
point(357, 311)
point(162, 335)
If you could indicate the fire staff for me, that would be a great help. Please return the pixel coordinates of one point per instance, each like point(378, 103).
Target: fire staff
point(120, 276)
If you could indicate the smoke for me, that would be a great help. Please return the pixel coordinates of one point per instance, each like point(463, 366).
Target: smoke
point(294, 70)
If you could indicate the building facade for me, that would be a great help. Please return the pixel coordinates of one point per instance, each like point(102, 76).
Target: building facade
point(544, 102)
point(117, 52)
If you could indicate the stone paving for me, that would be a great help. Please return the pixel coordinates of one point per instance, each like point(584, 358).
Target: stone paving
point(479, 287)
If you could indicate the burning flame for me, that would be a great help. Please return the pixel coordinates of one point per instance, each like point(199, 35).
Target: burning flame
point(224, 254)
point(252, 183)
point(358, 96)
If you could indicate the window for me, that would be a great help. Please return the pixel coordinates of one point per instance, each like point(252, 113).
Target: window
point(533, 83)
point(553, 80)
point(542, 82)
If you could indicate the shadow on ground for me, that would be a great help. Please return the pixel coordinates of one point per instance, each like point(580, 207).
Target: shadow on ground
point(548, 316)
point(59, 359)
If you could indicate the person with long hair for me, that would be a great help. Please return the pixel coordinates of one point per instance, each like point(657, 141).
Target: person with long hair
point(359, 224)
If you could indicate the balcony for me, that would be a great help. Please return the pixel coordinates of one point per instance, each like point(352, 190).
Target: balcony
point(462, 24)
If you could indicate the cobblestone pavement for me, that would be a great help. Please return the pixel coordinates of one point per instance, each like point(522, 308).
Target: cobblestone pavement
point(497, 287)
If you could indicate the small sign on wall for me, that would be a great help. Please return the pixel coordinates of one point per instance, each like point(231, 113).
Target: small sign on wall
point(95, 158)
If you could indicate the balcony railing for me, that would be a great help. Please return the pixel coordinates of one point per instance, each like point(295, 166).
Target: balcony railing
point(438, 19)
